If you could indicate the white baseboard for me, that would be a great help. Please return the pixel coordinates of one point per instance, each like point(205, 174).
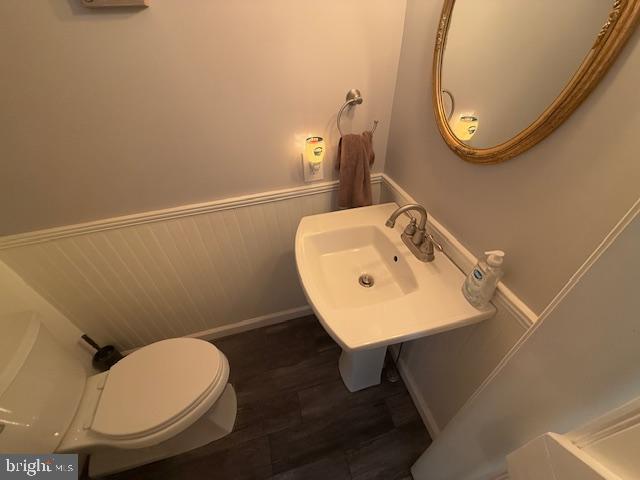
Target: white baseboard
point(418, 400)
point(252, 323)
point(504, 298)
point(246, 325)
point(144, 243)
point(133, 280)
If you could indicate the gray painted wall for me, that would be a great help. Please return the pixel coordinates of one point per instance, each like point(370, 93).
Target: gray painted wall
point(106, 114)
point(548, 208)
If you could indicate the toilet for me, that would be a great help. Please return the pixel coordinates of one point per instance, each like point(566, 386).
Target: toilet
point(161, 400)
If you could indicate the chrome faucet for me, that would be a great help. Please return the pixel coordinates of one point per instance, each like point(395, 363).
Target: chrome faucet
point(415, 236)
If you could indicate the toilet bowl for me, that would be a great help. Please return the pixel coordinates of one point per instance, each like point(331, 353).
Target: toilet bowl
point(161, 400)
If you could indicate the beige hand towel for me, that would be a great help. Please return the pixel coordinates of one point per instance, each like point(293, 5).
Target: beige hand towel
point(355, 156)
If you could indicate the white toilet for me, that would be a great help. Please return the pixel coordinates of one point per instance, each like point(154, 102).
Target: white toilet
point(161, 400)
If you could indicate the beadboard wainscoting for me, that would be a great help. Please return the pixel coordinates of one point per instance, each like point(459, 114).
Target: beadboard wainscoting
point(214, 269)
point(203, 270)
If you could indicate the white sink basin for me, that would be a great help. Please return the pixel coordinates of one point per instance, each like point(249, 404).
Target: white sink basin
point(337, 258)
point(409, 298)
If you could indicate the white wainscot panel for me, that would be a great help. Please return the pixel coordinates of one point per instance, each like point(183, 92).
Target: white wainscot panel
point(191, 272)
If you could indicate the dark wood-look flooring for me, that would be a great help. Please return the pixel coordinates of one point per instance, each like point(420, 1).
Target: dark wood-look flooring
point(296, 419)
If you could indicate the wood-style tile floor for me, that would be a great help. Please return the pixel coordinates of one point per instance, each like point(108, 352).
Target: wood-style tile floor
point(296, 420)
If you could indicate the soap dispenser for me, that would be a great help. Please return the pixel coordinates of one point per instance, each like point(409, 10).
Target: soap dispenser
point(481, 283)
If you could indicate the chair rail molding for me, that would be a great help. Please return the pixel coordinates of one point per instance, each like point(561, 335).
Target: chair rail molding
point(208, 270)
point(515, 310)
point(55, 233)
point(461, 256)
point(571, 283)
point(195, 270)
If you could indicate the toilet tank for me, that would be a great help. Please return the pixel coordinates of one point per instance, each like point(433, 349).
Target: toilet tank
point(41, 384)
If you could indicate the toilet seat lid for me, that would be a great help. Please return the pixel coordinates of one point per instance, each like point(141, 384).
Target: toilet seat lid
point(157, 384)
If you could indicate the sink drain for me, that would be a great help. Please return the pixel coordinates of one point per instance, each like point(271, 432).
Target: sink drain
point(366, 280)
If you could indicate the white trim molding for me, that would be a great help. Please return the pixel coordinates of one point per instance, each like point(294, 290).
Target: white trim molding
point(427, 389)
point(193, 270)
point(453, 248)
point(208, 270)
point(246, 325)
point(607, 426)
point(419, 401)
point(463, 258)
point(253, 323)
point(197, 270)
point(573, 281)
point(606, 445)
point(56, 233)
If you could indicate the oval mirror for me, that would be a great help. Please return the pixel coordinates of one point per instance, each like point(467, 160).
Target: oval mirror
point(506, 73)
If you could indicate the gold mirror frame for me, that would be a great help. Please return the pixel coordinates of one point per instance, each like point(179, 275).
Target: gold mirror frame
point(616, 30)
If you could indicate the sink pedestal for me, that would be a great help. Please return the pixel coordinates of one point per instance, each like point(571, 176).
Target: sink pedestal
point(362, 368)
point(369, 291)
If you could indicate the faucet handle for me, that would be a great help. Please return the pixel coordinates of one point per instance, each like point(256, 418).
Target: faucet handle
point(411, 228)
point(435, 243)
point(408, 214)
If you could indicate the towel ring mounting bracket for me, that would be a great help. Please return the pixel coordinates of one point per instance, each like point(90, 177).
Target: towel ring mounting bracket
point(353, 98)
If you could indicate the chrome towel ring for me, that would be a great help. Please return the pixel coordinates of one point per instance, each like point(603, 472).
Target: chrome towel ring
point(353, 98)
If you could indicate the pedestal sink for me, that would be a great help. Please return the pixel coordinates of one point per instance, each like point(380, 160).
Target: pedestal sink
point(369, 291)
